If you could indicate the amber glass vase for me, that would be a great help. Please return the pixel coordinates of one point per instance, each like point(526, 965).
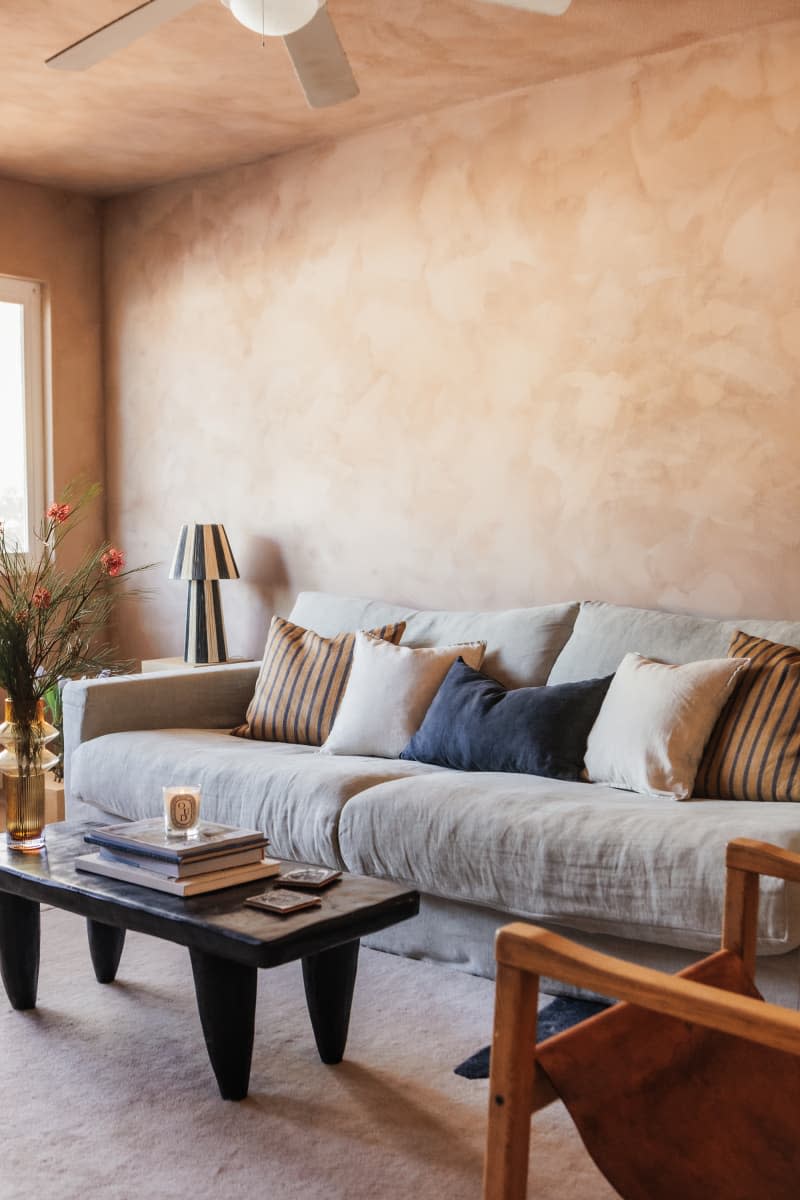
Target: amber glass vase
point(25, 779)
point(25, 810)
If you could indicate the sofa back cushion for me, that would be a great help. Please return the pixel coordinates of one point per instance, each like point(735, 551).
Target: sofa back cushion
point(605, 633)
point(522, 644)
point(329, 614)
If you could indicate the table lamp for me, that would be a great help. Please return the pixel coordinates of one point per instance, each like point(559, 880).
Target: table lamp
point(203, 557)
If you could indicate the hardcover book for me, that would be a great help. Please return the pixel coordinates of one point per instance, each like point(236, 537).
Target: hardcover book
point(192, 868)
point(150, 838)
point(211, 881)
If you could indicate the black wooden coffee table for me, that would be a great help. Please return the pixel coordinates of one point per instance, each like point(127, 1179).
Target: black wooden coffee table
point(227, 942)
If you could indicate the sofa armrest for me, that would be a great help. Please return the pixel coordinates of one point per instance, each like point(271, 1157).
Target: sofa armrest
point(208, 698)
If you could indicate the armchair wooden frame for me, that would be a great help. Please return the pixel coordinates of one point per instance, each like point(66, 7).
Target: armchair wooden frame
point(526, 952)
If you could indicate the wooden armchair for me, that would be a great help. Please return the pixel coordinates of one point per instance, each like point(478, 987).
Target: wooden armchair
point(690, 1089)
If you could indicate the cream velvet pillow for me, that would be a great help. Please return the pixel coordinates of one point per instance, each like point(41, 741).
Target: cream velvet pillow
point(388, 694)
point(653, 725)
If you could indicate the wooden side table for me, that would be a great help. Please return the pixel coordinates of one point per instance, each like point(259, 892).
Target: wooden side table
point(178, 664)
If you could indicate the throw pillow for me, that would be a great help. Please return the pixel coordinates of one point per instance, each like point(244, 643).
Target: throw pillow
point(389, 692)
point(301, 683)
point(475, 724)
point(655, 721)
point(754, 751)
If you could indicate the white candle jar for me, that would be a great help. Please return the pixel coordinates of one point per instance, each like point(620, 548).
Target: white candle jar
point(181, 811)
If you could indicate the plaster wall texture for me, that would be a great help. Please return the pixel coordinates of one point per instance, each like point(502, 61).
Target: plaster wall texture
point(54, 237)
point(539, 347)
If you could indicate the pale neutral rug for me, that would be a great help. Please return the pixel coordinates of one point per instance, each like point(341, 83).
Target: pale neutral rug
point(107, 1091)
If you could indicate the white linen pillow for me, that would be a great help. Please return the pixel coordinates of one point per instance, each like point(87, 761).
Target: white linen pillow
point(653, 725)
point(387, 695)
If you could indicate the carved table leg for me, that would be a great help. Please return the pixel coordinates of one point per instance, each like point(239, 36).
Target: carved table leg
point(329, 978)
point(226, 1001)
point(19, 949)
point(105, 947)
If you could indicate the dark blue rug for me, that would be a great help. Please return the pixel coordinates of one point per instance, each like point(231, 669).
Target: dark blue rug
point(559, 1015)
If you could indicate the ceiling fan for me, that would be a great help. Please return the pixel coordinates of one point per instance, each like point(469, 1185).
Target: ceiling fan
point(307, 30)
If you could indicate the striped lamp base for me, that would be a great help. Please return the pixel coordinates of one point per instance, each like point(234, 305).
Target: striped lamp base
point(205, 631)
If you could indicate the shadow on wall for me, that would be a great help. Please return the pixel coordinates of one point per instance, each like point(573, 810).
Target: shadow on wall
point(262, 590)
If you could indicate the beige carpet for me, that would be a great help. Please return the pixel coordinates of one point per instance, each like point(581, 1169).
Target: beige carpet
point(107, 1091)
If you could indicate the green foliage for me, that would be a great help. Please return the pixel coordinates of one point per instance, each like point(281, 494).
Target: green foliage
point(53, 624)
point(55, 710)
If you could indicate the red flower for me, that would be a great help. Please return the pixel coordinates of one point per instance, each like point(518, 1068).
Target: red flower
point(42, 598)
point(59, 512)
point(112, 561)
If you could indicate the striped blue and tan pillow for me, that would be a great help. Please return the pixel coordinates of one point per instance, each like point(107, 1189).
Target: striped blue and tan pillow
point(301, 683)
point(754, 750)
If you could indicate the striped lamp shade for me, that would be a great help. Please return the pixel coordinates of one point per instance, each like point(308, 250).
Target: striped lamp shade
point(203, 557)
point(203, 552)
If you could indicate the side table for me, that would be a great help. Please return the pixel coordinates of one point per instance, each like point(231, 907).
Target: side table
point(178, 664)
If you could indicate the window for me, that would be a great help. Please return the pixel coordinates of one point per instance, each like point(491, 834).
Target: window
point(22, 449)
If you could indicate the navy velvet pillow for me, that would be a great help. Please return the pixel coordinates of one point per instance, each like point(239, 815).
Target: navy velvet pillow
point(475, 724)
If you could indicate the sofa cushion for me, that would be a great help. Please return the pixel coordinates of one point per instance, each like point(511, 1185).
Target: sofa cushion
point(522, 644)
point(301, 683)
point(605, 633)
point(655, 722)
point(754, 751)
point(292, 793)
point(390, 690)
point(574, 854)
point(475, 724)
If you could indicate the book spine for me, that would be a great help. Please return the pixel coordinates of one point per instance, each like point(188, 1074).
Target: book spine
point(199, 886)
point(190, 870)
point(95, 865)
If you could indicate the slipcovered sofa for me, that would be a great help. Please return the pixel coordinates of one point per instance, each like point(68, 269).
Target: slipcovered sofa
point(626, 873)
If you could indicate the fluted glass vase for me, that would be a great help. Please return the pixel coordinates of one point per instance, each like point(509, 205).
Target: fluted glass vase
point(23, 762)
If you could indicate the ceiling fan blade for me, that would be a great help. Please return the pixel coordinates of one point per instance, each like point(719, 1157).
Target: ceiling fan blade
point(118, 34)
point(548, 8)
point(320, 63)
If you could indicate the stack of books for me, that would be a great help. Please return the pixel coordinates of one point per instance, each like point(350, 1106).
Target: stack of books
point(219, 856)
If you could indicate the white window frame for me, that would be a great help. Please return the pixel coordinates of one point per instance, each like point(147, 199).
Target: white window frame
point(28, 293)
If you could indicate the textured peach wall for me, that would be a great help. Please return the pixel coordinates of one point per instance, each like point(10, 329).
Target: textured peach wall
point(537, 347)
point(54, 237)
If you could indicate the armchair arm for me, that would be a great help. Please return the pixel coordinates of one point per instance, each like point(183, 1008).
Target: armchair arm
point(761, 858)
point(745, 861)
point(208, 698)
point(539, 952)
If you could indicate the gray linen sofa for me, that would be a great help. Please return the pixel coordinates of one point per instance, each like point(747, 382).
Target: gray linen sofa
point(625, 873)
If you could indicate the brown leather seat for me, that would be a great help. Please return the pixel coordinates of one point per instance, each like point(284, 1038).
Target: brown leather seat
point(690, 1093)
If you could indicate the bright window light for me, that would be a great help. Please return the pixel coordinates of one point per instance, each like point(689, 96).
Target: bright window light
point(22, 451)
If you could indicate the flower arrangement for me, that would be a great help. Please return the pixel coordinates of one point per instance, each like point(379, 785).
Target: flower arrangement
point(53, 624)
